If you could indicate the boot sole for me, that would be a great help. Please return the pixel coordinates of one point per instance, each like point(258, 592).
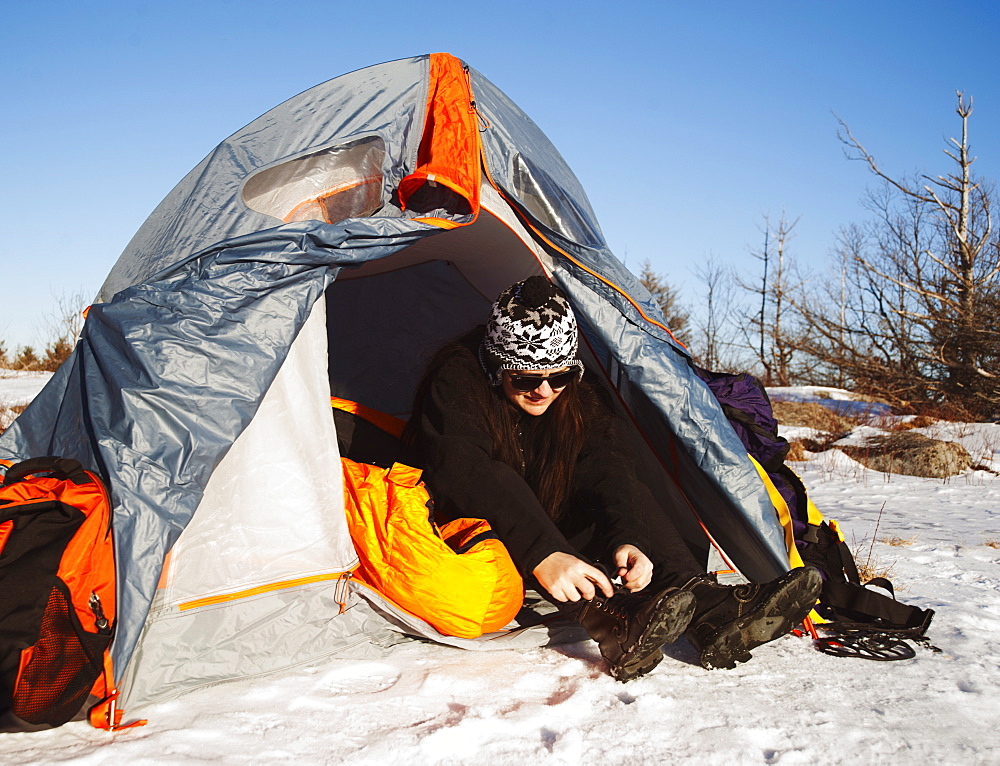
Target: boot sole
point(787, 606)
point(671, 617)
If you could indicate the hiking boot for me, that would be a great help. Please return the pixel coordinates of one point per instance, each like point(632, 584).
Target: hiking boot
point(630, 628)
point(730, 620)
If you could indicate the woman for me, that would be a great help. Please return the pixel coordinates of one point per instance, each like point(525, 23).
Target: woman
point(506, 429)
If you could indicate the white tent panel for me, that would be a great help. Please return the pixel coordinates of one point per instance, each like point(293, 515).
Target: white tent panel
point(273, 510)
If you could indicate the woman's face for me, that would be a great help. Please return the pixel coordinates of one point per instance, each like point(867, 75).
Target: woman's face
point(537, 400)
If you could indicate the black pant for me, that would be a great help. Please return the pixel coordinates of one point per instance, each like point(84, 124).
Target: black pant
point(673, 563)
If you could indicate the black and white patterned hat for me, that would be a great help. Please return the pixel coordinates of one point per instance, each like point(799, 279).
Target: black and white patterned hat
point(531, 327)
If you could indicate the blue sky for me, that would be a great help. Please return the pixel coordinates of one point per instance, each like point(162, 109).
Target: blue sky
point(686, 123)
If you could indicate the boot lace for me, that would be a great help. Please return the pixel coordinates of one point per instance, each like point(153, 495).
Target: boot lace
point(611, 606)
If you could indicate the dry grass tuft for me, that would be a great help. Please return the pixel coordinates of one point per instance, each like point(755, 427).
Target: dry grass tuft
point(811, 415)
point(797, 451)
point(898, 542)
point(917, 421)
point(993, 544)
point(7, 414)
point(828, 425)
point(871, 567)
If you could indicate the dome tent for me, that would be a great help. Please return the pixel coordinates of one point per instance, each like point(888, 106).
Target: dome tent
point(328, 248)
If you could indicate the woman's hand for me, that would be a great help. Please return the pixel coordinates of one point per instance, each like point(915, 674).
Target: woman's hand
point(634, 567)
point(567, 578)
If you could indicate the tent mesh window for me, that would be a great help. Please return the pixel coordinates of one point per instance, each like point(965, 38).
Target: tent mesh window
point(550, 205)
point(330, 185)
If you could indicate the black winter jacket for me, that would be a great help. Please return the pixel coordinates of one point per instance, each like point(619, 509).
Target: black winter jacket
point(456, 452)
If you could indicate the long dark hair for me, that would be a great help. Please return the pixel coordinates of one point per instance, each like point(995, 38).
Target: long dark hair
point(543, 449)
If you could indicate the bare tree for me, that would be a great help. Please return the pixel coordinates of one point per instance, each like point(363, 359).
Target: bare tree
point(715, 327)
point(668, 300)
point(916, 321)
point(776, 323)
point(64, 327)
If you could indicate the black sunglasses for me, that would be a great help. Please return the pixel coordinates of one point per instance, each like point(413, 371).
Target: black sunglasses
point(526, 383)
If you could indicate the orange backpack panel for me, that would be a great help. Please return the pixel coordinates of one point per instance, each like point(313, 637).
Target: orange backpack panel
point(57, 590)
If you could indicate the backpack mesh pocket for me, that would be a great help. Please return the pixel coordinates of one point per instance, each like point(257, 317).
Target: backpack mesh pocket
point(63, 665)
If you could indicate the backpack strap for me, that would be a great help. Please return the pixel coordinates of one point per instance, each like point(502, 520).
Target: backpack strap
point(861, 604)
point(63, 468)
point(850, 568)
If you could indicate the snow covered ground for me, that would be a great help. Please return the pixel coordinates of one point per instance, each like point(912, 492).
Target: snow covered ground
point(18, 388)
point(428, 704)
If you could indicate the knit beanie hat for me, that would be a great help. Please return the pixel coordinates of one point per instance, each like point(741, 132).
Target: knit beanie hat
point(531, 327)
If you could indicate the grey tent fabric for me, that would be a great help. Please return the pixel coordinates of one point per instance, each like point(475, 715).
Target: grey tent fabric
point(196, 318)
point(206, 207)
point(159, 411)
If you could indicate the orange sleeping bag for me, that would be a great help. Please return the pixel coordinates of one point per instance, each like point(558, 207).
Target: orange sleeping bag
point(459, 578)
